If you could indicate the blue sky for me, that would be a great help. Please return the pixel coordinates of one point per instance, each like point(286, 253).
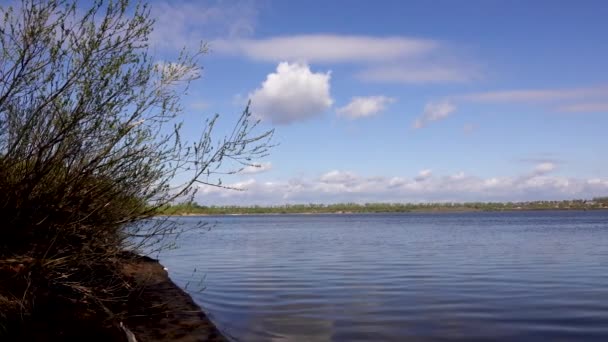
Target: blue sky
point(403, 101)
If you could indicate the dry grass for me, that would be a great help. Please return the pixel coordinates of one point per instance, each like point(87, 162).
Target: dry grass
point(39, 296)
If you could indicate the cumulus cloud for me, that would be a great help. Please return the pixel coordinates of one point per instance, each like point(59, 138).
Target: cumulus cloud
point(347, 186)
point(363, 106)
point(326, 48)
point(256, 168)
point(292, 93)
point(434, 111)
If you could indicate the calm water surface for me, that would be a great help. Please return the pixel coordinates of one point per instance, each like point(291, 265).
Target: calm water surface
point(466, 276)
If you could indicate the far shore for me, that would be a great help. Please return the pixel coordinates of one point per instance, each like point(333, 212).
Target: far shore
point(250, 211)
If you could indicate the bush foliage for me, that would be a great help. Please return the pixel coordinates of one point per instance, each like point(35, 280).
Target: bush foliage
point(90, 145)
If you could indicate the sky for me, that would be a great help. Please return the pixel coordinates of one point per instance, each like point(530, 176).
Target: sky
point(402, 101)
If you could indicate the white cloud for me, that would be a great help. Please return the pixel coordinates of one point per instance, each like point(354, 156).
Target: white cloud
point(187, 24)
point(434, 111)
point(257, 168)
point(418, 74)
point(555, 97)
point(326, 48)
point(337, 177)
point(423, 175)
point(388, 59)
point(346, 186)
point(540, 158)
point(544, 168)
point(458, 176)
point(292, 93)
point(535, 95)
point(590, 107)
point(363, 106)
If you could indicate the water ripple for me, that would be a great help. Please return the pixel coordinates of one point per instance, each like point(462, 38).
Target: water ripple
point(468, 276)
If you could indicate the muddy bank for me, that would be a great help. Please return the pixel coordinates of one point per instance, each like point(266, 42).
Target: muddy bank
point(156, 309)
point(167, 313)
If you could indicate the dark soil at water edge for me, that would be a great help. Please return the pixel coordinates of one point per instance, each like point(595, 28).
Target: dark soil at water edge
point(157, 311)
point(169, 314)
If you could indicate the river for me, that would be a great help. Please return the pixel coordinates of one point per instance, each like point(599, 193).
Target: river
point(394, 277)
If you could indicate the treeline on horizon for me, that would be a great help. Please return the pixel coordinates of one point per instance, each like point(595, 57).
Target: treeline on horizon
point(193, 208)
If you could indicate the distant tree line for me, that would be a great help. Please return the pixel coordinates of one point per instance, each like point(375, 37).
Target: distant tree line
point(198, 209)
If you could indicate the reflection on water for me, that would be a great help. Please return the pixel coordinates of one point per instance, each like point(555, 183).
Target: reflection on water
point(465, 276)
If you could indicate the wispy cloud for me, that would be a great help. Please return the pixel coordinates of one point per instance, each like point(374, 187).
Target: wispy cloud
point(420, 73)
point(338, 177)
point(256, 168)
point(540, 158)
point(544, 168)
point(182, 24)
point(292, 93)
point(364, 106)
point(535, 95)
point(564, 100)
point(588, 107)
point(198, 105)
point(434, 111)
point(326, 48)
point(395, 59)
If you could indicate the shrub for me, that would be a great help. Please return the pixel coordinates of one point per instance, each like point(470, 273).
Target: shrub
point(90, 145)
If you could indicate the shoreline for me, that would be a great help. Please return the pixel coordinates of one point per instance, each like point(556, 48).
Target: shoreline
point(413, 211)
point(170, 312)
